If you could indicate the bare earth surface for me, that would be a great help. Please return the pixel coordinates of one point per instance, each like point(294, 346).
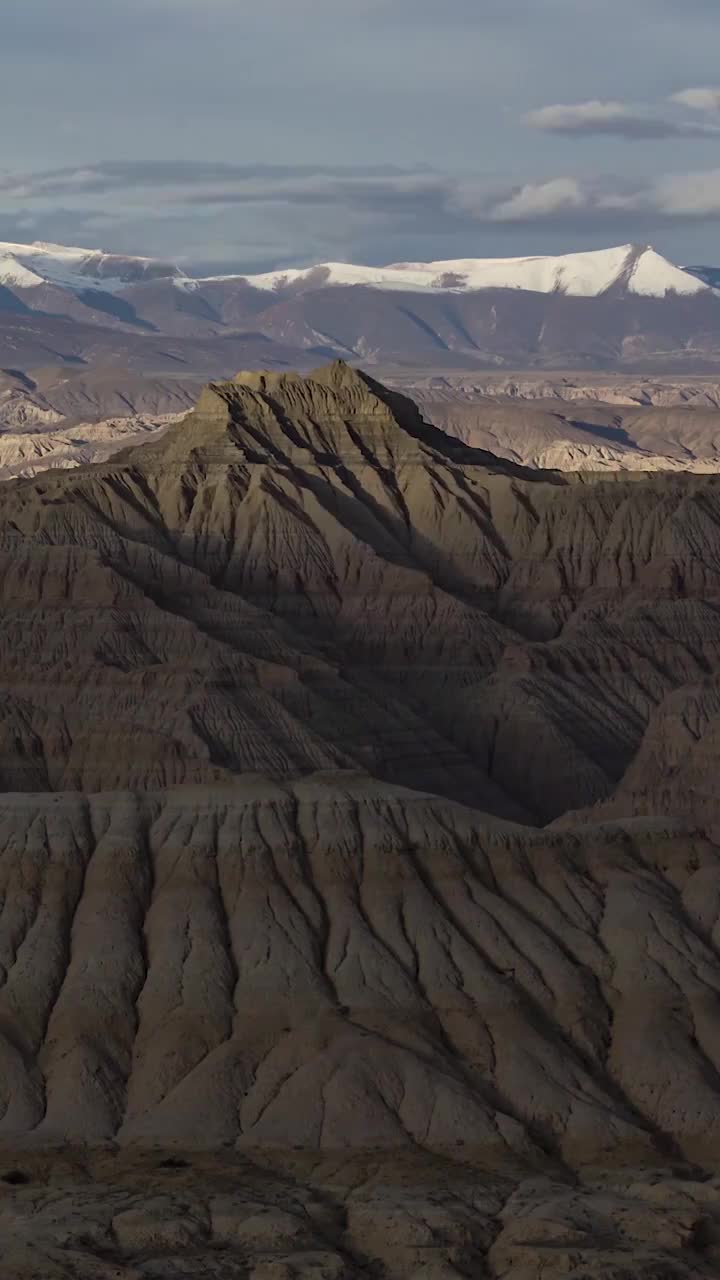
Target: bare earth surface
point(308, 1029)
point(58, 417)
point(359, 875)
point(579, 422)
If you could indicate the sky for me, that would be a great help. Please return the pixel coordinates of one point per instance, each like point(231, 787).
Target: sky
point(252, 134)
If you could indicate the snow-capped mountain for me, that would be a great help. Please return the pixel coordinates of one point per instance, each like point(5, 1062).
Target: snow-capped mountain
point(621, 308)
point(636, 269)
point(30, 266)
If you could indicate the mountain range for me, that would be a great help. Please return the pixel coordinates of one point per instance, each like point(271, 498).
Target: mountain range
point(621, 308)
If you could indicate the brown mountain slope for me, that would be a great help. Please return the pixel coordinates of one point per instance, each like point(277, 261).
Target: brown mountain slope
point(575, 423)
point(273, 1004)
point(54, 416)
point(304, 574)
point(420, 1038)
point(154, 326)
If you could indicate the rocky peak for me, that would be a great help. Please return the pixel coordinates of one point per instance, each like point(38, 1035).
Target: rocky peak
point(334, 415)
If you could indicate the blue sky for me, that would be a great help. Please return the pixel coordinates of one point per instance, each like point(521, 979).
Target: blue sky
point(255, 133)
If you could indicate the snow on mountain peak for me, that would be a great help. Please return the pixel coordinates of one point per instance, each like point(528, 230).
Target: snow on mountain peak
point(28, 266)
point(16, 276)
point(636, 269)
point(653, 276)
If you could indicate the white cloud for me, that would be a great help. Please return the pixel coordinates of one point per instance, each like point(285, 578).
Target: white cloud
point(577, 115)
point(698, 99)
point(690, 195)
point(261, 217)
point(541, 200)
point(616, 119)
point(681, 197)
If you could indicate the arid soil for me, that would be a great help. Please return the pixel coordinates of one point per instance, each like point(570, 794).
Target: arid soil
point(55, 417)
point(304, 1029)
point(579, 422)
point(130, 1215)
point(305, 575)
point(359, 867)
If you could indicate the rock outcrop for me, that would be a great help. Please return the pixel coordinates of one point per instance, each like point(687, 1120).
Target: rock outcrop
point(304, 574)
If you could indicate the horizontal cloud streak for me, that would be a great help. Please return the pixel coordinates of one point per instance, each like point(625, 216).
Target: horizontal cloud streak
point(615, 119)
point(156, 188)
point(698, 99)
point(181, 179)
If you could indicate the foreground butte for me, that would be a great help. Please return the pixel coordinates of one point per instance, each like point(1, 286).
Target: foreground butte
point(359, 878)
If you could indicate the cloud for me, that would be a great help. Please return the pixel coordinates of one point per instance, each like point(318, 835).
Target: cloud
point(681, 198)
point(170, 189)
point(615, 119)
point(324, 83)
point(692, 195)
point(541, 200)
point(206, 182)
point(698, 99)
point(256, 217)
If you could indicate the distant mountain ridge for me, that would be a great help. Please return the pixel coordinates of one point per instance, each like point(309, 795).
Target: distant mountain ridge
point(29, 266)
point(625, 308)
point(637, 269)
point(629, 268)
